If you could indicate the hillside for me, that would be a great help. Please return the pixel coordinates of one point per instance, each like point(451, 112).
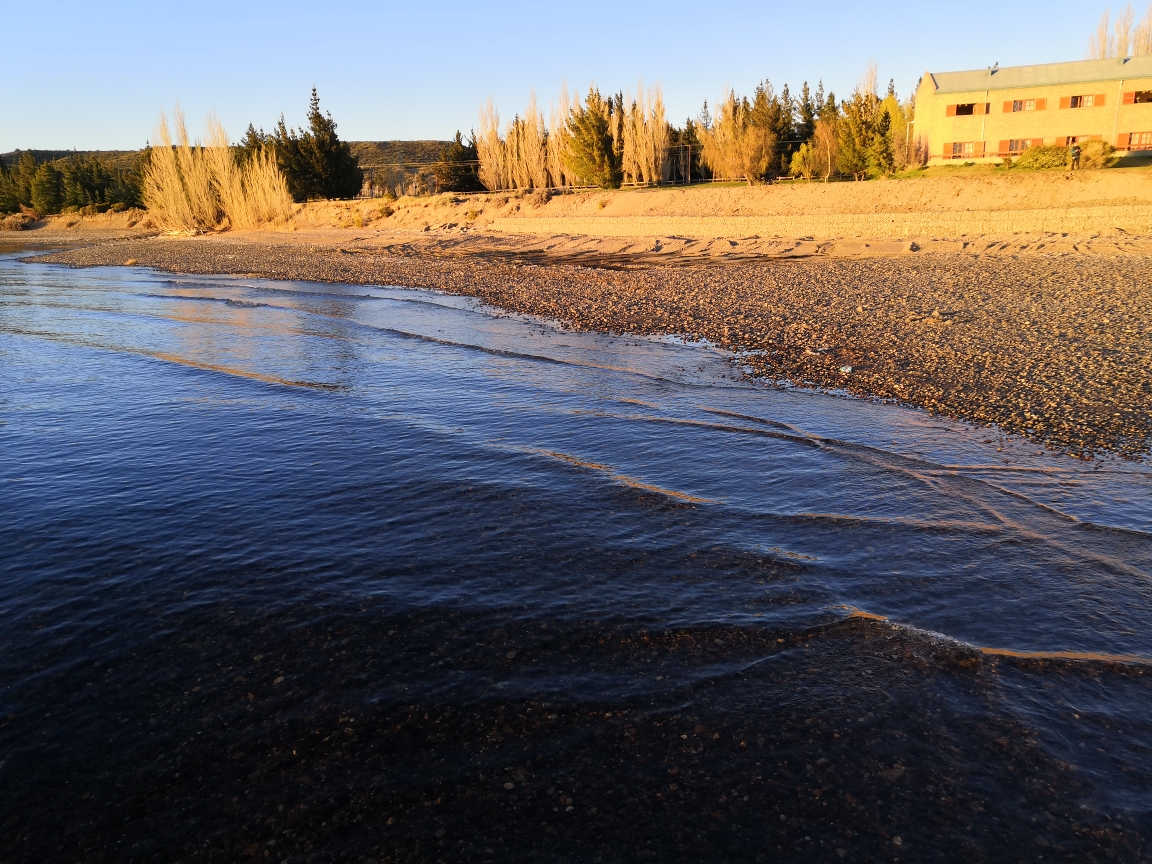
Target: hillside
point(373, 154)
point(118, 158)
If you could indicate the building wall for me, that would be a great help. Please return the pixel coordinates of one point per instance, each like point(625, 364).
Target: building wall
point(1053, 121)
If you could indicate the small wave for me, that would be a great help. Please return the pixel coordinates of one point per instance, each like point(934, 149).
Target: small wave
point(624, 479)
point(1010, 653)
point(241, 373)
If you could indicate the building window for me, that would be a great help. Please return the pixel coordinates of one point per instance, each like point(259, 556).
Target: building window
point(1019, 145)
point(1081, 101)
point(1142, 96)
point(966, 110)
point(1023, 105)
point(1140, 141)
point(962, 149)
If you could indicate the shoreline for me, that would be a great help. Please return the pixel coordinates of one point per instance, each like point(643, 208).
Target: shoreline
point(994, 341)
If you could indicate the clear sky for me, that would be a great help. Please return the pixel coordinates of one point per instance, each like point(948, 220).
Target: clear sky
point(95, 75)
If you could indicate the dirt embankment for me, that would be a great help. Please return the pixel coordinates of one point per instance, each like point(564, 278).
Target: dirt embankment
point(1107, 211)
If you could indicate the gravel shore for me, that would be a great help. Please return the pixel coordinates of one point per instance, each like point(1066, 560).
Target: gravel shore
point(1057, 348)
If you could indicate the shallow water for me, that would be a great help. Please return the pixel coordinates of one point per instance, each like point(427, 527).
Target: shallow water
point(294, 570)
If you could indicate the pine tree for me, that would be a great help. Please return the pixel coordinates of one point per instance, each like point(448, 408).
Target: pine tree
point(316, 163)
point(855, 138)
point(9, 199)
point(826, 108)
point(338, 171)
point(46, 189)
point(253, 142)
point(880, 157)
point(21, 175)
point(689, 164)
point(591, 152)
point(457, 170)
point(806, 113)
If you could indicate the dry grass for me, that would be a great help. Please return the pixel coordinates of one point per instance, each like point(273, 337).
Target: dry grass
point(163, 187)
point(191, 188)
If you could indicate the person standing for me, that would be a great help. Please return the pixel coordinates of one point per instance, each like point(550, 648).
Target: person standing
point(1075, 156)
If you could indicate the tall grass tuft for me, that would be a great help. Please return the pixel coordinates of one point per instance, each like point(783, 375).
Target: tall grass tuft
point(162, 188)
point(188, 187)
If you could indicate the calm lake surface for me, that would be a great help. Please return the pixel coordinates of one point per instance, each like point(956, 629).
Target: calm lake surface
point(307, 572)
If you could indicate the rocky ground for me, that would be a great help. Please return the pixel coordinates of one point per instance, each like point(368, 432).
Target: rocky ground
point(1054, 347)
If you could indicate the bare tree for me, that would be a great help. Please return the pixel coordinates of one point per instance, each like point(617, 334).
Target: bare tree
point(1142, 37)
point(827, 145)
point(1100, 44)
point(1122, 30)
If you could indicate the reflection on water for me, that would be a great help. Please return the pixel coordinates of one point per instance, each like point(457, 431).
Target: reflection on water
point(412, 551)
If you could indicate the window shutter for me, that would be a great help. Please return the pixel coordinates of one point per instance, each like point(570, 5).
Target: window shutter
point(948, 150)
point(1041, 104)
point(1130, 98)
point(1065, 101)
point(1007, 106)
point(978, 108)
point(1061, 142)
point(978, 148)
point(1099, 100)
point(1005, 148)
point(950, 111)
point(1122, 140)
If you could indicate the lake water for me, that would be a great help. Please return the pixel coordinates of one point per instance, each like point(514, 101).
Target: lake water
point(292, 571)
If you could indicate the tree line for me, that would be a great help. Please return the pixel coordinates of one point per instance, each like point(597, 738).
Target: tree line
point(88, 184)
point(609, 141)
point(313, 161)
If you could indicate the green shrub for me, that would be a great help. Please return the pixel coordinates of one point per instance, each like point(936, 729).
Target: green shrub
point(1097, 154)
point(1042, 157)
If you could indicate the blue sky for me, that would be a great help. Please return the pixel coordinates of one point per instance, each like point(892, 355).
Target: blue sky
point(95, 75)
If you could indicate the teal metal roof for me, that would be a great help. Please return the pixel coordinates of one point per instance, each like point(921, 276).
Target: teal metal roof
point(1043, 75)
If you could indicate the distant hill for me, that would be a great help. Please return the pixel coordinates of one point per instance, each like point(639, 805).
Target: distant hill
point(373, 154)
point(118, 158)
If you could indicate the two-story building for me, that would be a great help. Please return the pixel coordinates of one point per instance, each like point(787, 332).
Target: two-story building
point(986, 114)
